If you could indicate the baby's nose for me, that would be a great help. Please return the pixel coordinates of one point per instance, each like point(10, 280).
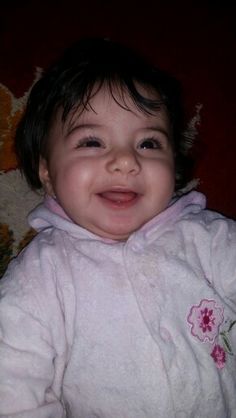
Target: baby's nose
point(124, 161)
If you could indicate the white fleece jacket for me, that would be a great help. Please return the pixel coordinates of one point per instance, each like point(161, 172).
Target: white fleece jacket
point(138, 329)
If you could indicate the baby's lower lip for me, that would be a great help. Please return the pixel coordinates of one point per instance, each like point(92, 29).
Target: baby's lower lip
point(121, 199)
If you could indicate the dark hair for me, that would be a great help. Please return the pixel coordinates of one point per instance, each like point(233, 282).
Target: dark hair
point(70, 83)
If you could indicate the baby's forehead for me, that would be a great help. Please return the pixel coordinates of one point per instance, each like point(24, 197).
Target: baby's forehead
point(109, 112)
point(103, 99)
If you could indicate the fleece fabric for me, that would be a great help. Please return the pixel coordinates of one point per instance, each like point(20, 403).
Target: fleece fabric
point(139, 329)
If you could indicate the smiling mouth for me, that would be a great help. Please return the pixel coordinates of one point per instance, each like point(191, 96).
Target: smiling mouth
point(118, 198)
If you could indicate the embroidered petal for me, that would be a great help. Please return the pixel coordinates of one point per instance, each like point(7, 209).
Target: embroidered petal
point(218, 355)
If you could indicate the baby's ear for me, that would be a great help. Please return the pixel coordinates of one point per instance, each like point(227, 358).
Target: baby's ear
point(45, 177)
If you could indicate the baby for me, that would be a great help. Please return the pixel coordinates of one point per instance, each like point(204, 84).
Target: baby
point(124, 304)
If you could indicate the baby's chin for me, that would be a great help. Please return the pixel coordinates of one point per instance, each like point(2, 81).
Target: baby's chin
point(113, 235)
point(115, 232)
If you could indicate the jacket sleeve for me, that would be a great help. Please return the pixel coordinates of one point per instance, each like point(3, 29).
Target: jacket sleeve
point(31, 362)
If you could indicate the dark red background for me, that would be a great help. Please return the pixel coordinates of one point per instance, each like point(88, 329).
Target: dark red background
point(194, 40)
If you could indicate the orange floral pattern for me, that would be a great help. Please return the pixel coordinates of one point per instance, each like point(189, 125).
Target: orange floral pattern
point(11, 111)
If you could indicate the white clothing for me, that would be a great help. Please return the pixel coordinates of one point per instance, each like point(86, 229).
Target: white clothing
point(140, 329)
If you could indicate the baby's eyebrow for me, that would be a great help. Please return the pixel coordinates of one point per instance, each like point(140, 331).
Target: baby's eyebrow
point(81, 126)
point(158, 129)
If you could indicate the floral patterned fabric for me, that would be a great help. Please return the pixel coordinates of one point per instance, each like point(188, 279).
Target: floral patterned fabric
point(16, 198)
point(208, 325)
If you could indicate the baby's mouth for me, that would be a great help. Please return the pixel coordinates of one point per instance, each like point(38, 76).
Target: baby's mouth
point(119, 196)
point(121, 199)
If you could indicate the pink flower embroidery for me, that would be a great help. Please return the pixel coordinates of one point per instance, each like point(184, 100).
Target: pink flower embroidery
point(205, 320)
point(218, 354)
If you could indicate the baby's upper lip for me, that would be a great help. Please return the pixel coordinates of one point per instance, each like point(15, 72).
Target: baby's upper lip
point(119, 189)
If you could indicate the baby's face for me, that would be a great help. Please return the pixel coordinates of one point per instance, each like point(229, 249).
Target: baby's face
point(111, 169)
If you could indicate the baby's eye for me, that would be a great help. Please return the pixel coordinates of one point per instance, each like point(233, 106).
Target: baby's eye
point(89, 143)
point(150, 143)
